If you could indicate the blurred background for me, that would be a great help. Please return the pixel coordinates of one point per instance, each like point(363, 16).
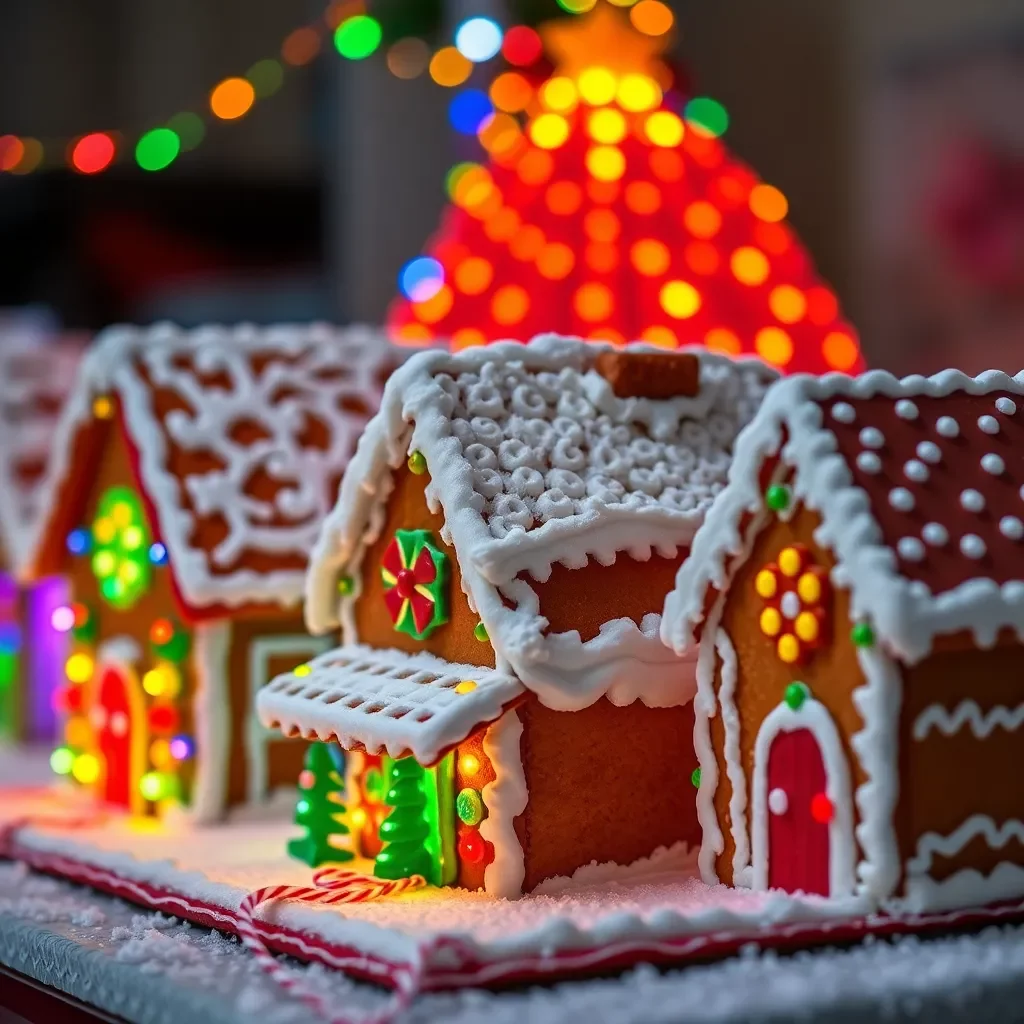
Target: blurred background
point(894, 127)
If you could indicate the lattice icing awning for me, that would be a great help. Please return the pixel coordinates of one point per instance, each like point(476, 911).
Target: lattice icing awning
point(386, 700)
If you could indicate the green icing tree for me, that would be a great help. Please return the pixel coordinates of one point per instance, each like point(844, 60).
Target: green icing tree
point(405, 830)
point(319, 810)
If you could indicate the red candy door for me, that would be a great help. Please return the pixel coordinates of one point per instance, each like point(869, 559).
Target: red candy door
point(799, 813)
point(114, 736)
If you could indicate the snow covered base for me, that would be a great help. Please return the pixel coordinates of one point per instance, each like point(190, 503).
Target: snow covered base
point(597, 921)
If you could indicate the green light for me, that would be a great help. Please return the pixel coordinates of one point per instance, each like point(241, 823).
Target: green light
point(576, 6)
point(454, 176)
point(189, 128)
point(357, 37)
point(265, 76)
point(157, 149)
point(103, 563)
point(152, 785)
point(61, 761)
point(708, 114)
point(302, 806)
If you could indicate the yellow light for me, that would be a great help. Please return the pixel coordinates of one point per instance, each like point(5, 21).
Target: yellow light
point(766, 584)
point(721, 339)
point(103, 408)
point(637, 93)
point(680, 299)
point(152, 785)
point(650, 257)
point(555, 261)
point(790, 561)
point(702, 220)
point(500, 135)
point(768, 203)
point(564, 197)
point(128, 572)
point(607, 126)
point(774, 346)
point(77, 732)
point(593, 302)
point(770, 622)
point(121, 514)
point(809, 588)
point(597, 86)
point(153, 682)
point(449, 68)
point(160, 753)
point(474, 275)
point(86, 769)
point(473, 187)
point(788, 648)
point(660, 336)
point(468, 765)
point(527, 243)
point(606, 163)
point(559, 94)
point(232, 98)
point(643, 197)
point(510, 304)
point(549, 131)
point(466, 686)
point(104, 530)
point(358, 818)
point(467, 337)
point(807, 627)
point(602, 226)
point(787, 303)
point(749, 265)
point(651, 17)
point(511, 92)
point(839, 351)
point(132, 538)
point(79, 668)
point(436, 308)
point(664, 129)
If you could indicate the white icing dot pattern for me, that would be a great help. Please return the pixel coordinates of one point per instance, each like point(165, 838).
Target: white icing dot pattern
point(935, 534)
point(916, 471)
point(972, 500)
point(869, 462)
point(790, 604)
point(906, 409)
point(843, 412)
point(900, 498)
point(929, 451)
point(549, 445)
point(972, 546)
point(872, 437)
point(1007, 406)
point(993, 464)
point(989, 424)
point(910, 549)
point(947, 426)
point(1011, 527)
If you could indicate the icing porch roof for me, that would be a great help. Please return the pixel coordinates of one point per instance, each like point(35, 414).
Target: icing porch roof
point(386, 700)
point(35, 381)
point(238, 436)
point(533, 459)
point(919, 483)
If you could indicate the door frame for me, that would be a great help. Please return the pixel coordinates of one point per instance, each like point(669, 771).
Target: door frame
point(842, 852)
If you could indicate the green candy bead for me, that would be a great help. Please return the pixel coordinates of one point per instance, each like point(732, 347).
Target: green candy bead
point(480, 632)
point(695, 778)
point(469, 807)
point(346, 585)
point(777, 497)
point(795, 695)
point(417, 463)
point(862, 635)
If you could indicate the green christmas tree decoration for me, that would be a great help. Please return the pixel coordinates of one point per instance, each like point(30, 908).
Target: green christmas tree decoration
point(405, 830)
point(319, 810)
point(795, 695)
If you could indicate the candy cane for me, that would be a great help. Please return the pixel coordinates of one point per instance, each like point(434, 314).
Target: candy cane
point(332, 886)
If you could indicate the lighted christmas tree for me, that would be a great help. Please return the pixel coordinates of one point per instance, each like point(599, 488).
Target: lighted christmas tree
point(320, 810)
point(405, 830)
point(604, 213)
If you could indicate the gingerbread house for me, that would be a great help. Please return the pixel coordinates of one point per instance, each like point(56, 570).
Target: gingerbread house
point(497, 562)
point(858, 594)
point(35, 380)
point(192, 470)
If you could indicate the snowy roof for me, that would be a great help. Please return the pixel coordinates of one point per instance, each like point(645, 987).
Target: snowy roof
point(920, 486)
point(386, 700)
point(533, 459)
point(239, 437)
point(35, 380)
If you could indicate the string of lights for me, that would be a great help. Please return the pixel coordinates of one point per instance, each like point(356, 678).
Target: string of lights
point(356, 35)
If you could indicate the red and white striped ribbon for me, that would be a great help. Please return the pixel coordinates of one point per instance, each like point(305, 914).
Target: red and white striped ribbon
point(333, 886)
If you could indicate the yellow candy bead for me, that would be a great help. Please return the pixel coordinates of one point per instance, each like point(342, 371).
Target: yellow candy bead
point(790, 561)
point(807, 628)
point(766, 584)
point(809, 588)
point(788, 648)
point(466, 686)
point(771, 622)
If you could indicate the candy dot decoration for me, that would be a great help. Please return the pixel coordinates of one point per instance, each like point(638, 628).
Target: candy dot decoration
point(480, 633)
point(795, 695)
point(469, 806)
point(695, 778)
point(778, 497)
point(346, 586)
point(795, 593)
point(862, 635)
point(472, 847)
point(417, 463)
point(822, 809)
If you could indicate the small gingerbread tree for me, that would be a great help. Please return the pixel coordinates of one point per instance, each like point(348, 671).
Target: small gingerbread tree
point(319, 810)
point(405, 831)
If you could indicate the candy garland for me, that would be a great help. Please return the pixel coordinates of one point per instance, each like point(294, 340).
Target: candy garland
point(333, 886)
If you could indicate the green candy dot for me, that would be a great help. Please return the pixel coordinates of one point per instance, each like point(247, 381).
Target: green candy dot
point(862, 635)
point(777, 497)
point(417, 463)
point(695, 778)
point(480, 632)
point(795, 695)
point(346, 586)
point(469, 807)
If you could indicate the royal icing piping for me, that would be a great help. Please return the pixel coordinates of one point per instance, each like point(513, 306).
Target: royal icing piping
point(967, 713)
point(505, 799)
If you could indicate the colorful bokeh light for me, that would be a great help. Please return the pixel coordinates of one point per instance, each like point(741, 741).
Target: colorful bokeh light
point(421, 278)
point(157, 149)
point(478, 39)
point(469, 111)
point(232, 99)
point(93, 153)
point(357, 37)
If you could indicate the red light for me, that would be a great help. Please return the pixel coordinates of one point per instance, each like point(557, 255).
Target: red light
point(93, 153)
point(12, 149)
point(522, 46)
point(68, 699)
point(81, 614)
point(163, 718)
point(472, 847)
point(161, 631)
point(822, 810)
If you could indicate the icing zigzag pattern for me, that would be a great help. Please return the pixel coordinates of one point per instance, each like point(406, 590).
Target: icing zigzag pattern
point(982, 724)
point(931, 843)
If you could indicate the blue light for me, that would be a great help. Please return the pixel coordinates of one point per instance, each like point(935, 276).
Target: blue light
point(421, 278)
point(10, 638)
point(469, 110)
point(478, 39)
point(78, 541)
point(157, 553)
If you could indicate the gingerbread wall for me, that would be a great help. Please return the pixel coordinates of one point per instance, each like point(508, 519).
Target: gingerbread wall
point(946, 779)
point(454, 641)
point(832, 672)
point(606, 783)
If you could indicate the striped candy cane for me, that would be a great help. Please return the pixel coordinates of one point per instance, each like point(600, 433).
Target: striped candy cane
point(332, 886)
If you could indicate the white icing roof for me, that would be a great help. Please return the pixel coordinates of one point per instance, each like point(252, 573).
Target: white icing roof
point(35, 380)
point(883, 460)
point(533, 459)
point(386, 700)
point(240, 436)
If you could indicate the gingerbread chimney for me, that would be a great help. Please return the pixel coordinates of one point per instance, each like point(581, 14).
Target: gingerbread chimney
point(658, 375)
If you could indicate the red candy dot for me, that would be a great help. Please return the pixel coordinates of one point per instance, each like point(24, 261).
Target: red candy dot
point(821, 808)
point(405, 583)
point(306, 779)
point(472, 847)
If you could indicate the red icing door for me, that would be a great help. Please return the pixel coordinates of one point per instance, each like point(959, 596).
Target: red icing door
point(798, 814)
point(114, 736)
